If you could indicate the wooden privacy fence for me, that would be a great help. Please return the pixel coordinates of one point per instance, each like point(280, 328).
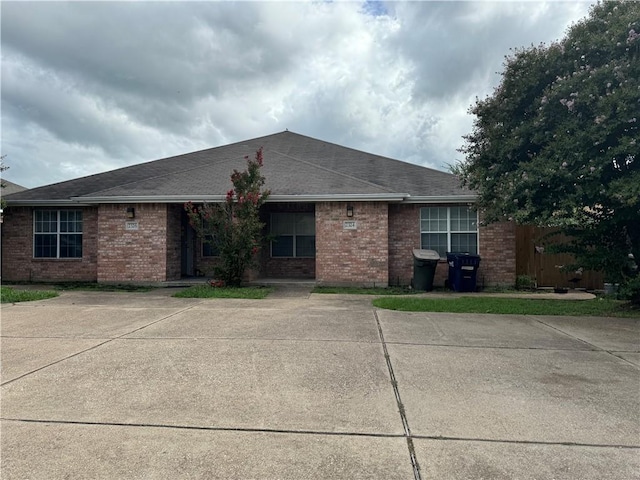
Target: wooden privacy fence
point(533, 260)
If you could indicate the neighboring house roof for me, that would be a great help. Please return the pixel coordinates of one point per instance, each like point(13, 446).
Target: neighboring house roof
point(296, 168)
point(9, 187)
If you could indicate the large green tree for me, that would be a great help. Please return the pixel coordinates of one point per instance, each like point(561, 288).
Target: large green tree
point(557, 142)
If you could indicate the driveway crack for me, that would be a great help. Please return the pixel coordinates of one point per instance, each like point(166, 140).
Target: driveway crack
point(403, 416)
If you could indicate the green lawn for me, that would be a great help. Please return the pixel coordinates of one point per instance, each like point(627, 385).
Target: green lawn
point(206, 291)
point(9, 295)
point(523, 306)
point(93, 286)
point(102, 287)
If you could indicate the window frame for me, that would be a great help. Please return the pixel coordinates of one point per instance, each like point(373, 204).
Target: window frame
point(294, 235)
point(449, 231)
point(215, 252)
point(58, 233)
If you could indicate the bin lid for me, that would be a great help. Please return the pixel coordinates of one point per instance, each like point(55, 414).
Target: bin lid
point(422, 254)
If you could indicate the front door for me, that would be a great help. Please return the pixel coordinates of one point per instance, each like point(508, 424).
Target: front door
point(188, 247)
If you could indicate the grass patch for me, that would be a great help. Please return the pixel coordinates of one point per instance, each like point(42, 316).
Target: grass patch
point(365, 290)
point(92, 286)
point(601, 307)
point(206, 291)
point(102, 287)
point(9, 295)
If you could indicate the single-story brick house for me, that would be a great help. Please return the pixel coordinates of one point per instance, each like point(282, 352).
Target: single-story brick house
point(336, 215)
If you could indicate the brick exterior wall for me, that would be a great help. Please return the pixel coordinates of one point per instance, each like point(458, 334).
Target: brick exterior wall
point(404, 236)
point(289, 267)
point(497, 249)
point(498, 253)
point(356, 257)
point(18, 264)
point(273, 267)
point(378, 252)
point(132, 255)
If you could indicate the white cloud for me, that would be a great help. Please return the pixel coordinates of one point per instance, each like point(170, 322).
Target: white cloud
point(90, 86)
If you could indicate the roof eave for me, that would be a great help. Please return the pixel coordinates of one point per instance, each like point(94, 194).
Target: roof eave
point(468, 198)
point(342, 197)
point(46, 203)
point(347, 197)
point(364, 197)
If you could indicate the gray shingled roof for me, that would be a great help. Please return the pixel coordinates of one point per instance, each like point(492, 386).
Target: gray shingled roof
point(9, 187)
point(295, 166)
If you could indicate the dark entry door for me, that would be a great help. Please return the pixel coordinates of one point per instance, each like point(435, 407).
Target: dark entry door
point(188, 248)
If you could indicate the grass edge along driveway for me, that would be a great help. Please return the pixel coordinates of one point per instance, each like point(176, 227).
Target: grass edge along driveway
point(600, 307)
point(9, 295)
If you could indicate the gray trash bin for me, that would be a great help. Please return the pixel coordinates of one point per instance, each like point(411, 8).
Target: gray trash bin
point(424, 268)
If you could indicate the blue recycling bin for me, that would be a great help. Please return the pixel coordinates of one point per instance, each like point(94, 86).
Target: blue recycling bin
point(463, 270)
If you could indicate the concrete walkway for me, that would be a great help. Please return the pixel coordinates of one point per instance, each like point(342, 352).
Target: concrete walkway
point(143, 385)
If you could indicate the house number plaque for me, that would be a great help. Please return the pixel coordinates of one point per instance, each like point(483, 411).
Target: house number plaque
point(131, 225)
point(349, 225)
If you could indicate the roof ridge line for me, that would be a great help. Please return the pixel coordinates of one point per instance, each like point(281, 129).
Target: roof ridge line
point(351, 177)
point(369, 153)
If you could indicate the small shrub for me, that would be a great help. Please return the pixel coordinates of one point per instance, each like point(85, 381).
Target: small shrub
point(630, 290)
point(525, 282)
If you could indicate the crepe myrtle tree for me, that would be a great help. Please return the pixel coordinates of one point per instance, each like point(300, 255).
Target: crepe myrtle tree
point(557, 142)
point(233, 227)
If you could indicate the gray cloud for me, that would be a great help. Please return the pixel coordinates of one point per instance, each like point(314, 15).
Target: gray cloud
point(88, 86)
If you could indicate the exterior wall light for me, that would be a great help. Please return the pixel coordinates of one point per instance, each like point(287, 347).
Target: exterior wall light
point(131, 212)
point(349, 211)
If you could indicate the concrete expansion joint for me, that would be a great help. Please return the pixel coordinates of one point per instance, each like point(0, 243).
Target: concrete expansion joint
point(241, 339)
point(97, 346)
point(205, 428)
point(405, 423)
point(56, 362)
point(494, 347)
point(591, 346)
point(525, 442)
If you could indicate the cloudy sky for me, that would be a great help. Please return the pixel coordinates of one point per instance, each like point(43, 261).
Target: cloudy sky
point(89, 87)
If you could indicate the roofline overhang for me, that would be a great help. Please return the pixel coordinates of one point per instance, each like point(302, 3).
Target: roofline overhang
point(353, 197)
point(46, 203)
point(471, 198)
point(347, 197)
point(356, 197)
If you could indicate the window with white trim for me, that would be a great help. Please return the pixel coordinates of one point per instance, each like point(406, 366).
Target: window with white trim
point(57, 233)
point(294, 235)
point(449, 229)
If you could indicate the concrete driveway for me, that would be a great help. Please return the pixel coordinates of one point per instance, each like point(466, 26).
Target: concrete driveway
point(145, 386)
